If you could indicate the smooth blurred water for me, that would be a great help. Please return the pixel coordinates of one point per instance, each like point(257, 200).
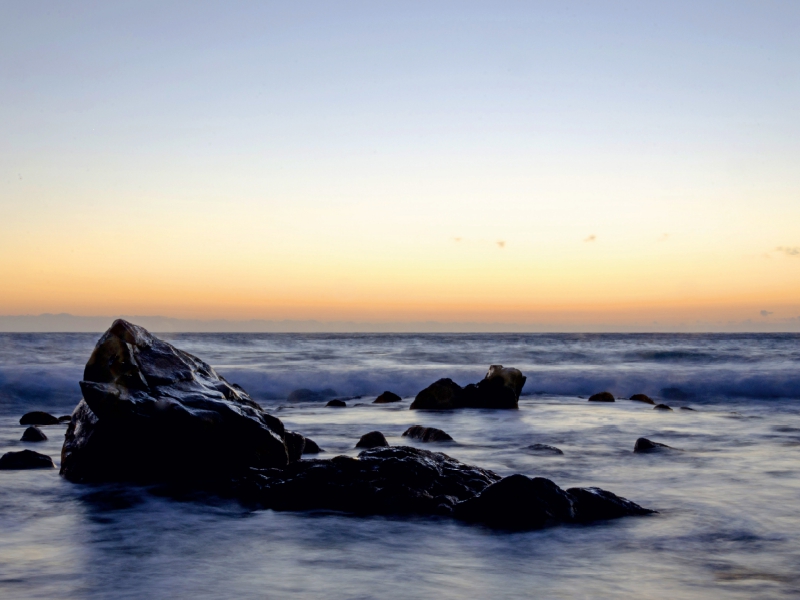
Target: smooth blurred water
point(729, 522)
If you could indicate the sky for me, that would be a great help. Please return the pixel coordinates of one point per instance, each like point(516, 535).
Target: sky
point(544, 164)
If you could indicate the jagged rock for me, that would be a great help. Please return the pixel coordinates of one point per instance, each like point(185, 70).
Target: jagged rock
point(25, 459)
point(643, 445)
point(311, 447)
point(152, 412)
point(64, 418)
point(306, 395)
point(543, 449)
point(593, 504)
point(643, 398)
point(602, 397)
point(387, 397)
point(335, 403)
point(38, 417)
point(33, 434)
point(373, 439)
point(426, 434)
point(661, 407)
point(499, 389)
point(396, 480)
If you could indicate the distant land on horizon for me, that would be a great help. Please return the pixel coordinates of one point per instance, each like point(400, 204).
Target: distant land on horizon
point(68, 323)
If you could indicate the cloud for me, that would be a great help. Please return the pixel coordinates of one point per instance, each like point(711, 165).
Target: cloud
point(591, 238)
point(789, 250)
point(766, 313)
point(501, 243)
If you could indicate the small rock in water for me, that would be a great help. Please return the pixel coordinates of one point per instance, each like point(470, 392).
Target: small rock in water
point(661, 407)
point(643, 398)
point(373, 439)
point(33, 434)
point(336, 403)
point(306, 395)
point(602, 397)
point(25, 459)
point(427, 434)
point(311, 447)
point(64, 418)
point(543, 449)
point(442, 394)
point(594, 504)
point(387, 397)
point(38, 417)
point(688, 408)
point(644, 445)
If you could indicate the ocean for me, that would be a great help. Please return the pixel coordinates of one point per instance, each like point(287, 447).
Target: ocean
point(728, 523)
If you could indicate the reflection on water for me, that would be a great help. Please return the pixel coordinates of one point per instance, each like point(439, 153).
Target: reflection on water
point(728, 526)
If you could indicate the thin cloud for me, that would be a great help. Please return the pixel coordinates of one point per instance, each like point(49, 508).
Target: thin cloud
point(789, 250)
point(766, 313)
point(591, 238)
point(501, 243)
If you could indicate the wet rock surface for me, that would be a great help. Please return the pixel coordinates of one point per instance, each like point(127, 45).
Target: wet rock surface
point(387, 397)
point(25, 459)
point(373, 439)
point(152, 412)
point(33, 434)
point(500, 388)
point(602, 397)
point(427, 434)
point(643, 398)
point(38, 417)
point(643, 445)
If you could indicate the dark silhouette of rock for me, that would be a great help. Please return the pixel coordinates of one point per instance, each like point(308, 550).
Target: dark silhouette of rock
point(643, 445)
point(426, 434)
point(373, 439)
point(37, 417)
point(594, 504)
point(688, 408)
point(152, 412)
point(295, 444)
point(33, 434)
point(336, 403)
point(543, 449)
point(499, 389)
point(661, 407)
point(643, 398)
point(64, 418)
point(311, 447)
point(387, 397)
point(25, 459)
point(442, 394)
point(602, 397)
point(306, 395)
point(673, 393)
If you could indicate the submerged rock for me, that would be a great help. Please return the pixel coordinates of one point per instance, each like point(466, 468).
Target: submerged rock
point(336, 403)
point(643, 398)
point(387, 397)
point(643, 445)
point(306, 395)
point(688, 408)
point(543, 449)
point(602, 397)
point(500, 388)
point(33, 434)
point(152, 412)
point(38, 417)
point(661, 407)
point(25, 459)
point(373, 439)
point(426, 434)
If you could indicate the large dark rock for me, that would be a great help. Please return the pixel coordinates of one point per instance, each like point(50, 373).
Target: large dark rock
point(311, 447)
point(500, 388)
point(25, 459)
point(373, 439)
point(152, 412)
point(387, 397)
point(643, 445)
point(593, 504)
point(33, 434)
point(396, 480)
point(427, 434)
point(643, 398)
point(38, 417)
point(602, 397)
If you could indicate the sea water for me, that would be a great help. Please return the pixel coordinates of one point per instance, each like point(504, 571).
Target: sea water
point(728, 497)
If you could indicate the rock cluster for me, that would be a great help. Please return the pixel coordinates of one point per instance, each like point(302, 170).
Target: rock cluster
point(500, 388)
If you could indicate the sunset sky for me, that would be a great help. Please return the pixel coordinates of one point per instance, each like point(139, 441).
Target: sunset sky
point(583, 163)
